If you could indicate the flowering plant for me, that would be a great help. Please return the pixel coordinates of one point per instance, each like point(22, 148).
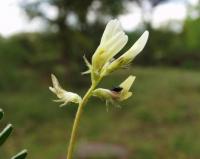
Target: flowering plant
point(103, 64)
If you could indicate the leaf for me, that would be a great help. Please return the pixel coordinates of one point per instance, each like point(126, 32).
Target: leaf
point(20, 155)
point(5, 133)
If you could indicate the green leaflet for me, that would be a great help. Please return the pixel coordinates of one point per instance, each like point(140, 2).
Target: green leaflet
point(20, 155)
point(5, 133)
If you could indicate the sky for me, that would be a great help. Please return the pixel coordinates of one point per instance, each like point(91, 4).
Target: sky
point(14, 20)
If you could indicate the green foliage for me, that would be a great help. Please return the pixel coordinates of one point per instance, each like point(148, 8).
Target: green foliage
point(169, 48)
point(192, 33)
point(5, 133)
point(24, 54)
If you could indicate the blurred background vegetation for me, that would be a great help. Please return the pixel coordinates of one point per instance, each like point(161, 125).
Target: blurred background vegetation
point(160, 121)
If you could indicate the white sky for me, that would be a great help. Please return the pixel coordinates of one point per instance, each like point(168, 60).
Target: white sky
point(13, 19)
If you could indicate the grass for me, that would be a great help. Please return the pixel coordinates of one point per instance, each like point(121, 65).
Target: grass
point(161, 120)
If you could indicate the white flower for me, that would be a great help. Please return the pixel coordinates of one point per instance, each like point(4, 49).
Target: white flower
point(116, 94)
point(128, 56)
point(62, 94)
point(112, 41)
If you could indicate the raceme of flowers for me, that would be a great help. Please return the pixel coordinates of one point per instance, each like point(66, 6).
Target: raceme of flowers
point(103, 63)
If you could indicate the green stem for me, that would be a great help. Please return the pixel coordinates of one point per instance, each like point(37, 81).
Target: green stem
point(77, 120)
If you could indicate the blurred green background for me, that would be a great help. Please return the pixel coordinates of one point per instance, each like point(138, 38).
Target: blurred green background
point(161, 120)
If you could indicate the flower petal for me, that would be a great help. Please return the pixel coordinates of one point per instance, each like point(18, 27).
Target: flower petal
point(112, 41)
point(116, 44)
point(55, 82)
point(111, 29)
point(138, 46)
point(126, 96)
point(126, 85)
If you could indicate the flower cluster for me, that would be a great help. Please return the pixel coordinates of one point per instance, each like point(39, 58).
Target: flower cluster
point(112, 41)
point(103, 63)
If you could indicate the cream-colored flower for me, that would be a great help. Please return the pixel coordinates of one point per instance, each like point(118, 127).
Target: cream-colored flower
point(128, 56)
point(62, 94)
point(116, 94)
point(112, 41)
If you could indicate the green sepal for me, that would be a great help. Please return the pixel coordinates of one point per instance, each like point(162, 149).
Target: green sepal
point(88, 65)
point(20, 155)
point(5, 133)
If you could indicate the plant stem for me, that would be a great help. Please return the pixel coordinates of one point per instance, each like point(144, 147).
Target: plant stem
point(77, 121)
